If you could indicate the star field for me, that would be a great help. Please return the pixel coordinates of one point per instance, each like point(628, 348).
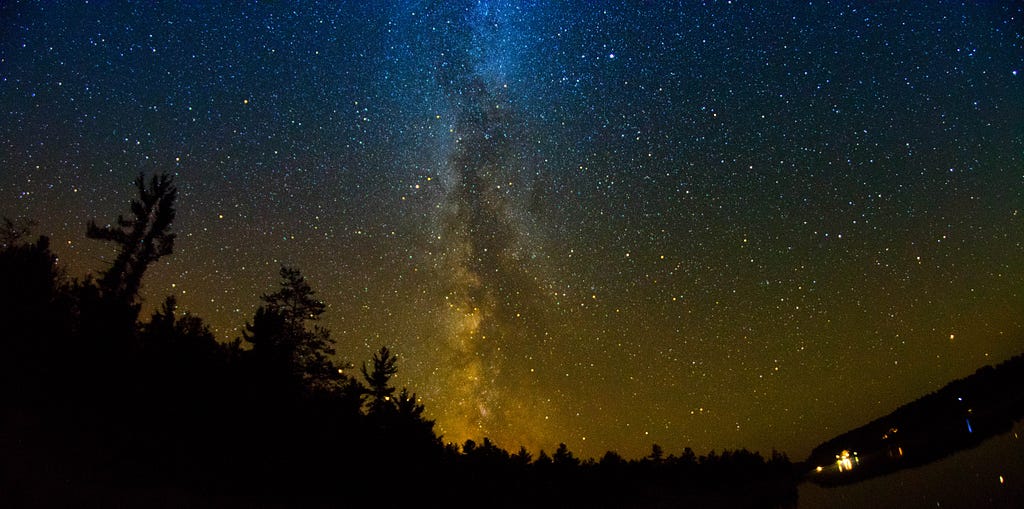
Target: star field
point(715, 225)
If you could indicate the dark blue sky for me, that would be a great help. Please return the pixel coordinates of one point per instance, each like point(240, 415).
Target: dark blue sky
point(717, 224)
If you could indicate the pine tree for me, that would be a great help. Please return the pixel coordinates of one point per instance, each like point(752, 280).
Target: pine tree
point(378, 381)
point(143, 238)
point(564, 457)
point(523, 457)
point(296, 300)
point(285, 345)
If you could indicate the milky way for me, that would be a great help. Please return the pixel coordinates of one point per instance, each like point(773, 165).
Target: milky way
point(609, 224)
point(493, 288)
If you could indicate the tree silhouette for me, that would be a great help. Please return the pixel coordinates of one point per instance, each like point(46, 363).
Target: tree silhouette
point(563, 457)
point(295, 301)
point(143, 238)
point(611, 459)
point(657, 454)
point(29, 275)
point(543, 460)
point(378, 380)
point(408, 406)
point(688, 458)
point(283, 344)
point(12, 231)
point(178, 371)
point(77, 367)
point(186, 334)
point(31, 312)
point(411, 423)
point(523, 457)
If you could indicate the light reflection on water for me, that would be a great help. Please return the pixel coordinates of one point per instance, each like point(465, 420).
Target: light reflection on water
point(990, 475)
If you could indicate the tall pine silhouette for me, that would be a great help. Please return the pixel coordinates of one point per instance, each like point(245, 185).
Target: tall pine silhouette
point(143, 237)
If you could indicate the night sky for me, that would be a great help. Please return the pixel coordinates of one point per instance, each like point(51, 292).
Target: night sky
point(704, 224)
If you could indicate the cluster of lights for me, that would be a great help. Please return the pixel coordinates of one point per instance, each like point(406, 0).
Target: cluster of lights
point(845, 462)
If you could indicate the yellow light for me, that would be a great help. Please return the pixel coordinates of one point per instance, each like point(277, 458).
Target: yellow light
point(843, 461)
point(817, 469)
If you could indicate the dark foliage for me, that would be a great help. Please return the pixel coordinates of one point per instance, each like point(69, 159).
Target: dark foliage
point(99, 406)
point(379, 382)
point(142, 238)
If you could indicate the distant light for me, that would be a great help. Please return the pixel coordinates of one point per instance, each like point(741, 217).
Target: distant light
point(843, 461)
point(611, 55)
point(819, 470)
point(1001, 481)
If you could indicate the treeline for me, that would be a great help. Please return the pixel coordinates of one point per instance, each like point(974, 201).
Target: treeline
point(104, 407)
point(960, 415)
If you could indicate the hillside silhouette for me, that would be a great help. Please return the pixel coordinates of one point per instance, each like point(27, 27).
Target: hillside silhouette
point(960, 415)
point(103, 407)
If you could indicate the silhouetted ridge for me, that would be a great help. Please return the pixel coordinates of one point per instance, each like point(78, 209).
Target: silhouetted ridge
point(103, 408)
point(960, 415)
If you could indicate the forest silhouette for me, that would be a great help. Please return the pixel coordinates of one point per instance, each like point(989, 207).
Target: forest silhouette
point(104, 407)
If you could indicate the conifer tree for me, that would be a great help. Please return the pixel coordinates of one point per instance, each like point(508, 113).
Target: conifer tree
point(143, 238)
point(283, 342)
point(378, 381)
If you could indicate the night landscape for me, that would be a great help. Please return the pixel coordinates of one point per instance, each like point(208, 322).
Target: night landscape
point(511, 254)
